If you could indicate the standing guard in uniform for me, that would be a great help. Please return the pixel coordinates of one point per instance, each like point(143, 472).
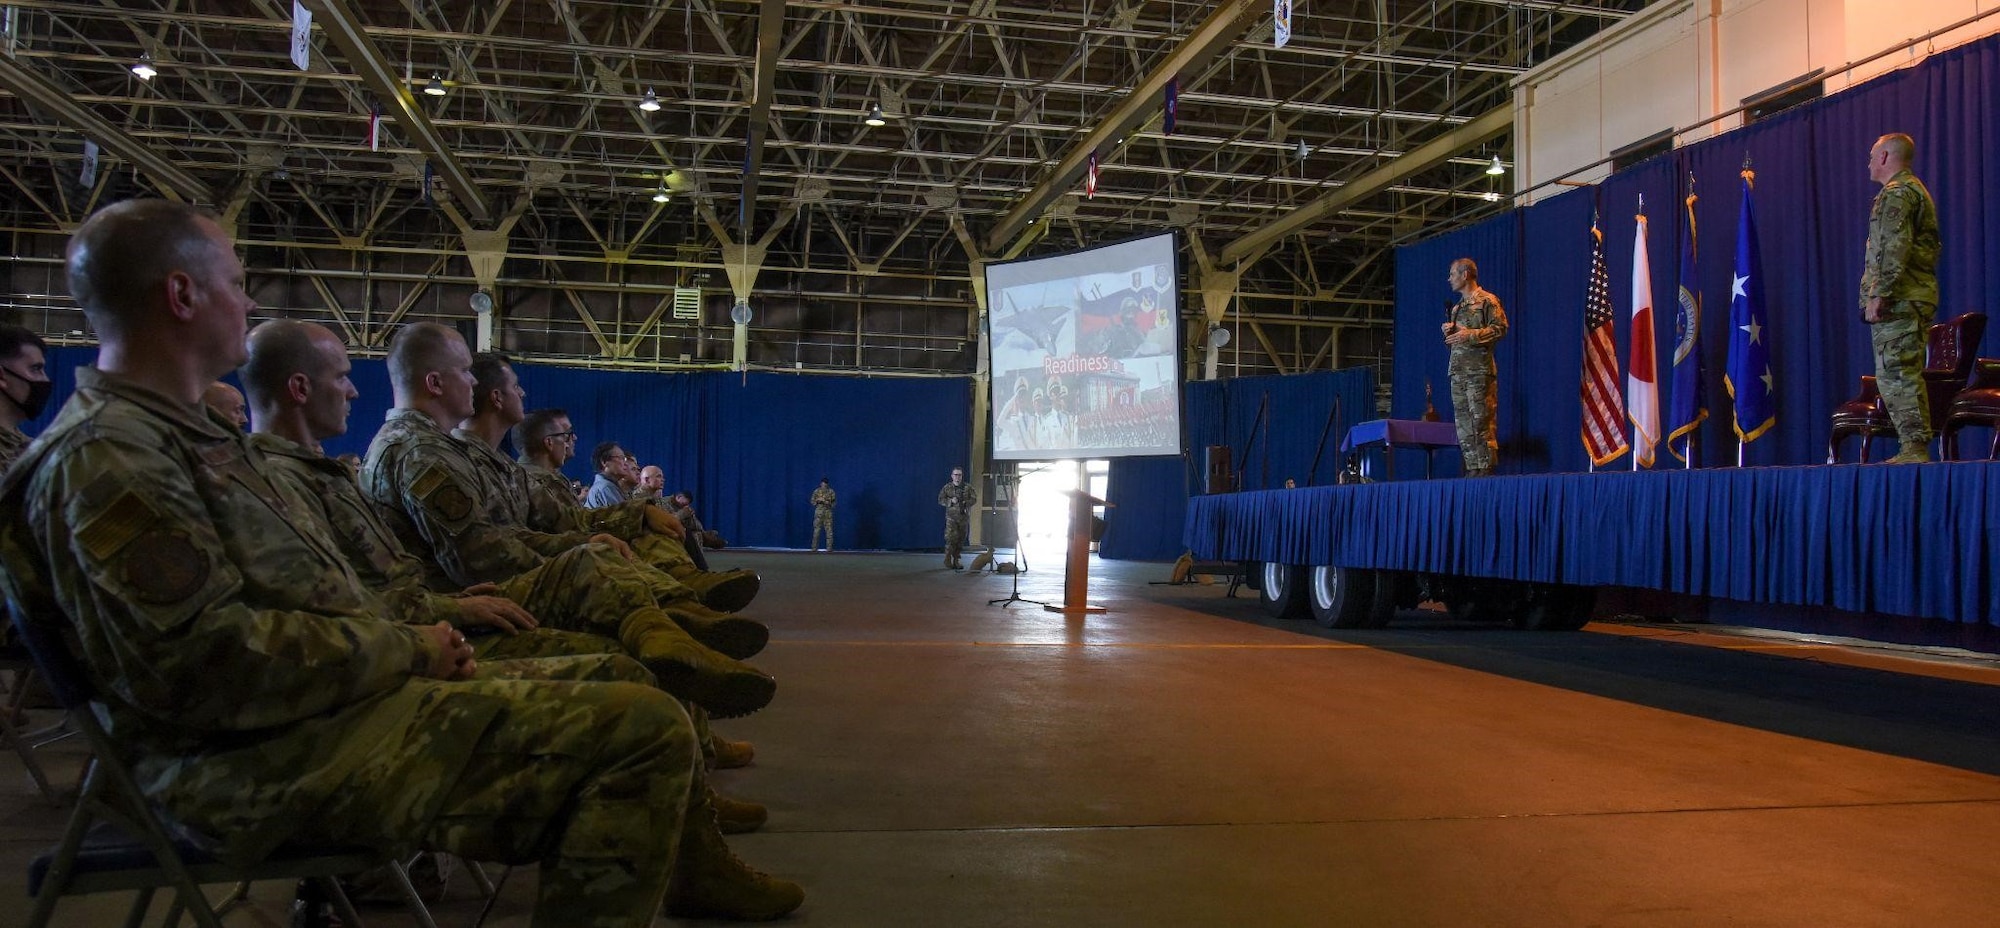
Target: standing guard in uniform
point(958, 499)
point(1476, 321)
point(822, 503)
point(1899, 291)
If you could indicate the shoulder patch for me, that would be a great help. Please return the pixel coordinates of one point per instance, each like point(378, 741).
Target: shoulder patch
point(117, 516)
point(428, 482)
point(435, 488)
point(165, 567)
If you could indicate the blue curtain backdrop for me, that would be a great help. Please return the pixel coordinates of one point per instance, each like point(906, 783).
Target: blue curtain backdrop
point(1149, 495)
point(1811, 198)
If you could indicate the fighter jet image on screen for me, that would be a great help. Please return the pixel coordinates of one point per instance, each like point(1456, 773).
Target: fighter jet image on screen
point(1042, 324)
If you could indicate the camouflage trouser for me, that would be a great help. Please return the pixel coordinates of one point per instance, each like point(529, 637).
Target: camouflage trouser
point(591, 780)
point(591, 588)
point(954, 538)
point(491, 645)
point(1475, 395)
point(1899, 365)
point(822, 521)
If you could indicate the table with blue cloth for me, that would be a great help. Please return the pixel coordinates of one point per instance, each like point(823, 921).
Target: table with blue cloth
point(1391, 434)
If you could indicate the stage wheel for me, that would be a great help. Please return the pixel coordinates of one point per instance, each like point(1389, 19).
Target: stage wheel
point(1386, 596)
point(1282, 590)
point(1342, 597)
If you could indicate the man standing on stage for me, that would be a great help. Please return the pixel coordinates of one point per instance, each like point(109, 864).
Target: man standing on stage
point(958, 499)
point(1899, 290)
point(1473, 324)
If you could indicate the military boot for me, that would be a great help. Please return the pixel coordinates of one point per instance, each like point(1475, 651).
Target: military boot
point(725, 754)
point(689, 670)
point(710, 882)
point(730, 635)
point(1918, 455)
point(721, 590)
point(736, 817)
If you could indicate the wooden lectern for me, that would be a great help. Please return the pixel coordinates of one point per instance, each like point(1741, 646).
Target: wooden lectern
point(1076, 564)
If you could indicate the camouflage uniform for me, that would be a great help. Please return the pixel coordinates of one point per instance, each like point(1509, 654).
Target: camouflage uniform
point(436, 498)
point(550, 507)
point(13, 444)
point(262, 699)
point(1900, 269)
point(1475, 391)
point(958, 500)
point(324, 488)
point(822, 500)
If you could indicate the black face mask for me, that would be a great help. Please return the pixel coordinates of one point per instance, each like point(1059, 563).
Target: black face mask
point(38, 396)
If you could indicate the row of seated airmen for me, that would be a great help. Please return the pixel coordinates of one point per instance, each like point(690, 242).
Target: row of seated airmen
point(447, 654)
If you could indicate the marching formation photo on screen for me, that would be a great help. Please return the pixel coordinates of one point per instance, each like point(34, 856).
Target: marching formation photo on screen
point(1085, 353)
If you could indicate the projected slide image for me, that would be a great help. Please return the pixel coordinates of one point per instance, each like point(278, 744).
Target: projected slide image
point(1084, 355)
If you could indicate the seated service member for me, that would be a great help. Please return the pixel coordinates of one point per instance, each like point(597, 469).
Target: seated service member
point(297, 379)
point(237, 659)
point(436, 502)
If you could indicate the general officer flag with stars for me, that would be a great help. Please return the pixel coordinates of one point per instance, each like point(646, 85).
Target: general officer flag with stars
point(1749, 376)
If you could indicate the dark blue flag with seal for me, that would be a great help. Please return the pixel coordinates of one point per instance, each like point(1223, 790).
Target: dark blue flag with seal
point(1685, 410)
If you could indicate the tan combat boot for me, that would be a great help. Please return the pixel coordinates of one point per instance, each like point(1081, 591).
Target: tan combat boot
point(710, 882)
point(730, 635)
point(725, 754)
point(691, 671)
point(721, 590)
point(736, 817)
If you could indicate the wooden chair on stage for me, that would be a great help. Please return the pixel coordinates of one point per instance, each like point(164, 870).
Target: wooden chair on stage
point(1950, 349)
point(1977, 404)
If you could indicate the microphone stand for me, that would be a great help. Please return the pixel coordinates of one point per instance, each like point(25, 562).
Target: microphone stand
point(1014, 592)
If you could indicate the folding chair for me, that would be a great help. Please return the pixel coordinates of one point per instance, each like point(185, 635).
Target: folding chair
point(117, 842)
point(14, 661)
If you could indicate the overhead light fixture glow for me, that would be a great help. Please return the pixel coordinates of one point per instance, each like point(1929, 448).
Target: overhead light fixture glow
point(1491, 196)
point(875, 117)
point(435, 88)
point(1496, 168)
point(650, 102)
point(1300, 151)
point(144, 69)
point(661, 195)
point(1218, 337)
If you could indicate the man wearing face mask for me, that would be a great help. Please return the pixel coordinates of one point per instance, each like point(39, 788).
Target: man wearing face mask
point(24, 381)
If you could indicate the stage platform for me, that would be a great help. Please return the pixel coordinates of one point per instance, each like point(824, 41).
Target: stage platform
point(1910, 540)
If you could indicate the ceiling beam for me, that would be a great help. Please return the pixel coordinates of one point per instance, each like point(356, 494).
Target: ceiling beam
point(37, 89)
point(1230, 20)
point(1494, 122)
point(350, 35)
point(770, 39)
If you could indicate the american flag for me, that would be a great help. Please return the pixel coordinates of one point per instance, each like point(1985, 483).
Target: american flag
point(1603, 405)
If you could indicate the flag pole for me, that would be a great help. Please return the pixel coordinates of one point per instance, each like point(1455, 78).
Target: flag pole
point(1635, 334)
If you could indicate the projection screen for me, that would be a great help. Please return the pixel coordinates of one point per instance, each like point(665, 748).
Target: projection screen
point(1085, 353)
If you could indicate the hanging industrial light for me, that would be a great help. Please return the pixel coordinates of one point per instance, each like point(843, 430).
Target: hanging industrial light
point(435, 88)
point(662, 195)
point(144, 69)
point(1496, 168)
point(875, 117)
point(650, 102)
point(1300, 151)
